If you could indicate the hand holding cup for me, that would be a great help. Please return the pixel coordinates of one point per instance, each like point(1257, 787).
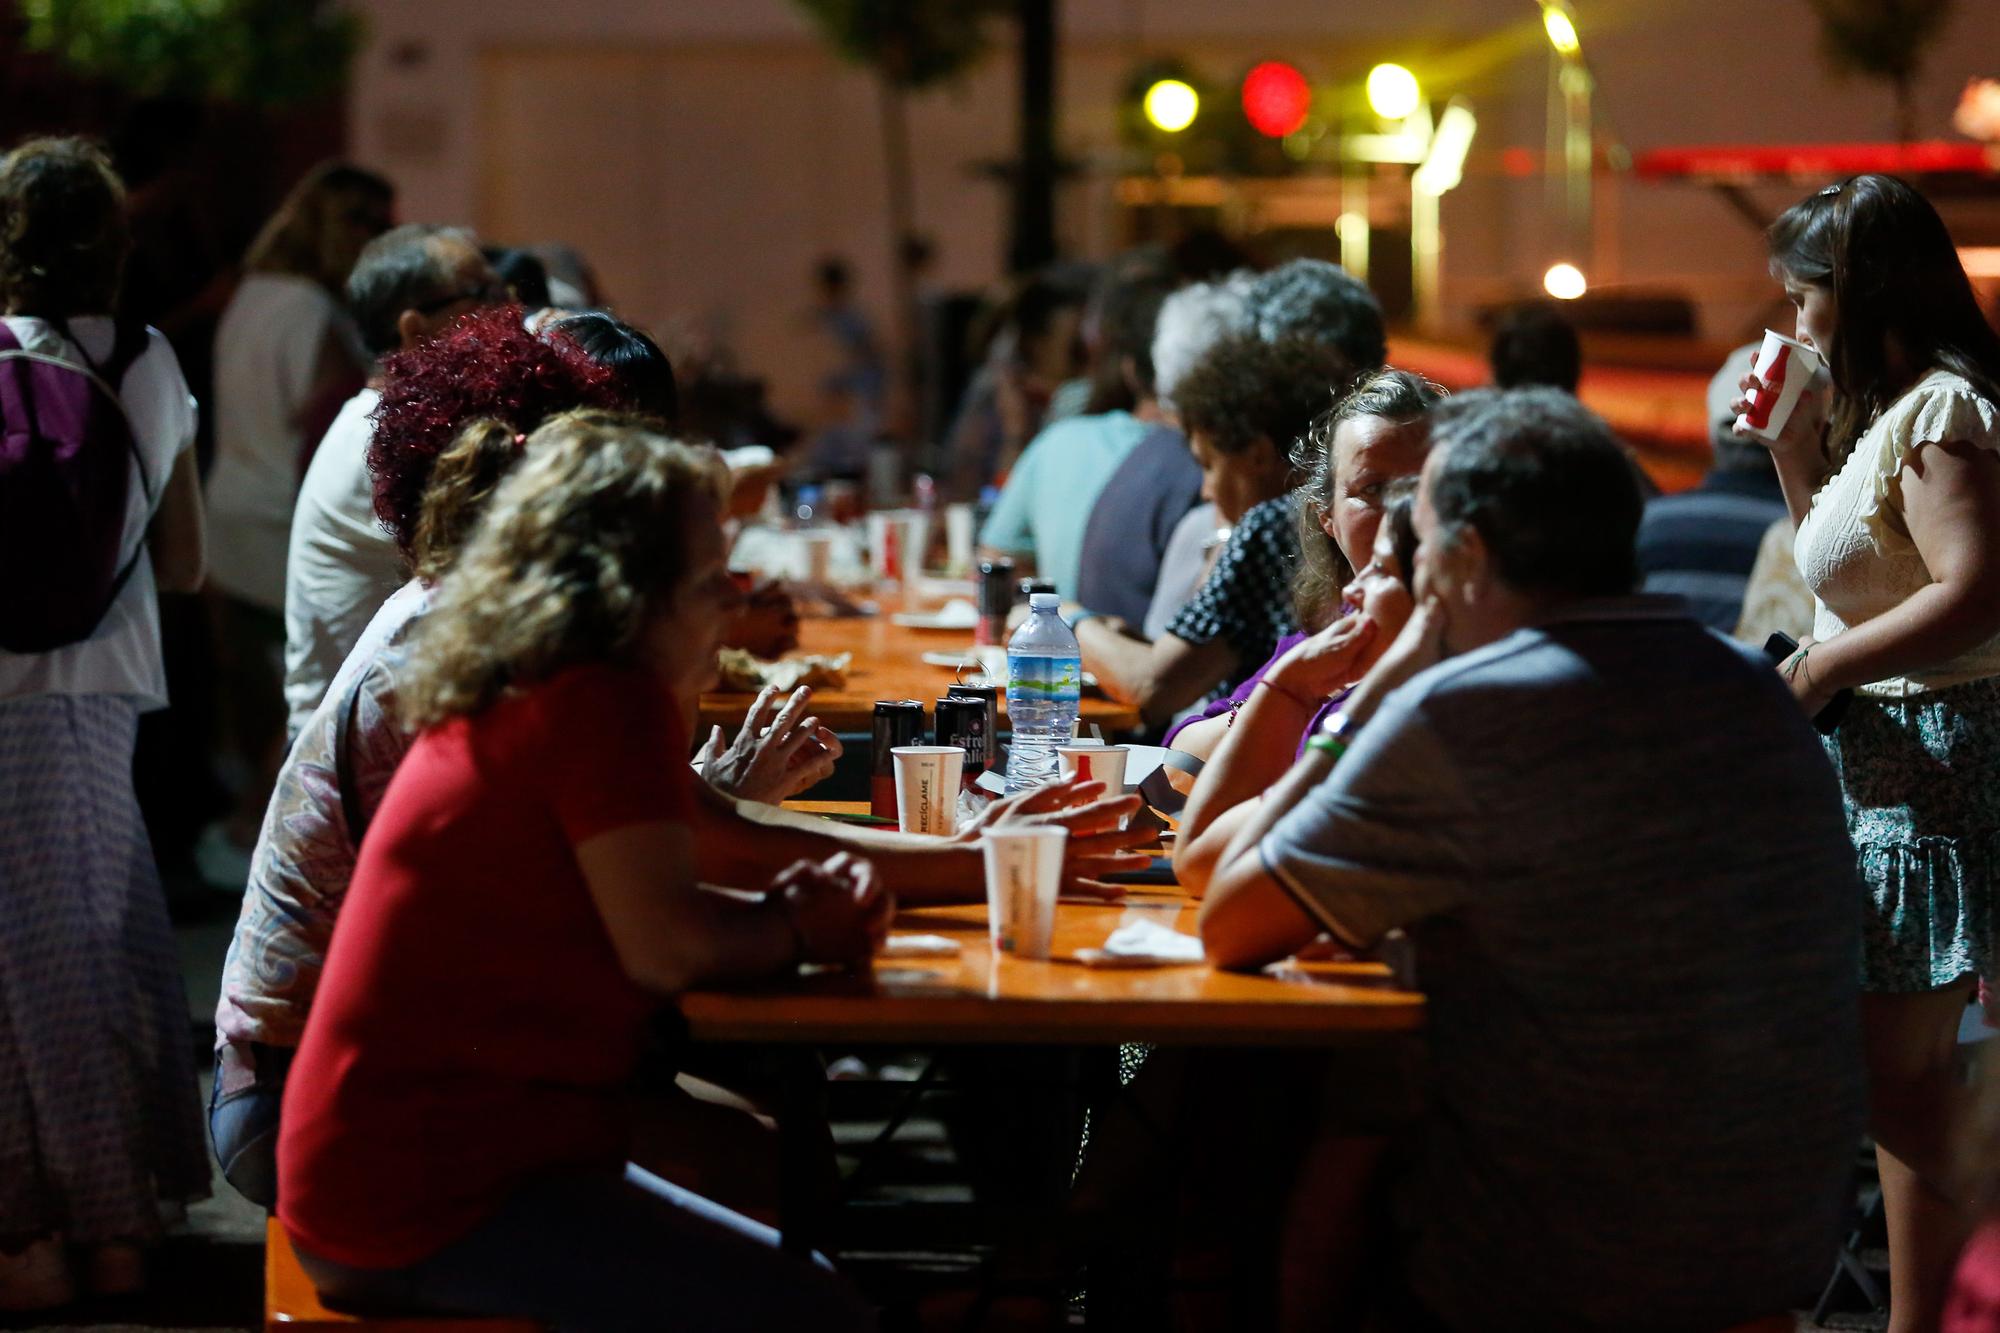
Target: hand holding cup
point(1784, 403)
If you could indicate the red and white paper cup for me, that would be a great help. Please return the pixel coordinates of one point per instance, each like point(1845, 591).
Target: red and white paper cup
point(1788, 367)
point(1095, 763)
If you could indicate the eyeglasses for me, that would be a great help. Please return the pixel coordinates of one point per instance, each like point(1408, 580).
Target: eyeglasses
point(490, 293)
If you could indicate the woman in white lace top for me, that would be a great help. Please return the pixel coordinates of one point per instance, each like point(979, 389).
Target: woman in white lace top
point(1895, 488)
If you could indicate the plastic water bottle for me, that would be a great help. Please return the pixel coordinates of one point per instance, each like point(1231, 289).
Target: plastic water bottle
point(1044, 691)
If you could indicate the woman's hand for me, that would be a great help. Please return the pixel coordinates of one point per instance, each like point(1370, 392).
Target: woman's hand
point(1335, 657)
point(771, 759)
point(1420, 645)
point(1798, 673)
point(837, 908)
point(1096, 845)
point(1804, 435)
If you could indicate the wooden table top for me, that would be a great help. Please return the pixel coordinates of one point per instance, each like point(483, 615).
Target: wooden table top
point(984, 998)
point(888, 664)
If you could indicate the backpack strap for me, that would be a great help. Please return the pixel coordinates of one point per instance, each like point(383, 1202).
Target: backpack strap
point(129, 342)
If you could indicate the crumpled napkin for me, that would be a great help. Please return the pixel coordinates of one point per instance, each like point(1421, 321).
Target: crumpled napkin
point(919, 946)
point(1143, 944)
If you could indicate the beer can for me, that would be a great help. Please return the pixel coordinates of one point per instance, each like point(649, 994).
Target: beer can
point(989, 697)
point(896, 722)
point(996, 599)
point(962, 722)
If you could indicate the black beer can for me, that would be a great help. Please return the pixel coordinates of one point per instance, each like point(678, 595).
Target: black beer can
point(962, 722)
point(897, 722)
point(996, 599)
point(989, 698)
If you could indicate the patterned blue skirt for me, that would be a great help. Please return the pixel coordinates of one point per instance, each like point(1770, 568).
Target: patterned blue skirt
point(1921, 780)
point(100, 1120)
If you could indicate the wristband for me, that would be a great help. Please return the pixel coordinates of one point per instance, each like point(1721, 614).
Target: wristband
point(1328, 744)
point(1310, 705)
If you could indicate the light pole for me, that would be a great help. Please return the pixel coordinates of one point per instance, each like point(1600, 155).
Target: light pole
point(1435, 150)
point(1571, 134)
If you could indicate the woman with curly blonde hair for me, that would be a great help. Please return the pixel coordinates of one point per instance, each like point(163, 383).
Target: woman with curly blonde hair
point(454, 1136)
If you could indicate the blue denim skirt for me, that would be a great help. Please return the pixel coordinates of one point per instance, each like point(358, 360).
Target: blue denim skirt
point(1921, 780)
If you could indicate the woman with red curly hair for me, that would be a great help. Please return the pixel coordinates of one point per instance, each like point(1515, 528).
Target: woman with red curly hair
point(487, 366)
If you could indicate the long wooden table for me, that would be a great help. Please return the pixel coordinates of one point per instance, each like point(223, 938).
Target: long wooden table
point(980, 998)
point(983, 998)
point(888, 664)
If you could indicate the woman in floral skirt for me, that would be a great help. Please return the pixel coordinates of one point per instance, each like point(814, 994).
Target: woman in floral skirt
point(100, 1123)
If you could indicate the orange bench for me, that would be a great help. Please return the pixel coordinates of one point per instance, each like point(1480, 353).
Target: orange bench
point(292, 1305)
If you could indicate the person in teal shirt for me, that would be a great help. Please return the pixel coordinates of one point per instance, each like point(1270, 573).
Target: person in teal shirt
point(1045, 505)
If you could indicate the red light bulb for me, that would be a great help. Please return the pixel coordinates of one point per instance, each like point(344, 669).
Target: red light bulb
point(1276, 99)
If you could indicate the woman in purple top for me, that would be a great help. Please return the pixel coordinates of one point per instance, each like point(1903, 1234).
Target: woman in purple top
point(1388, 567)
point(1258, 733)
point(1376, 432)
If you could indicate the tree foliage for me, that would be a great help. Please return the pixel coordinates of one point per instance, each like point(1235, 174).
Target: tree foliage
point(909, 43)
point(257, 52)
point(1882, 39)
point(1879, 39)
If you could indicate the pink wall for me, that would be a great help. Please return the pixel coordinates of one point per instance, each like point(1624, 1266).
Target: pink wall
point(704, 154)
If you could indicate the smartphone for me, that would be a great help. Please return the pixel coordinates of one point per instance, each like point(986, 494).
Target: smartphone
point(1781, 646)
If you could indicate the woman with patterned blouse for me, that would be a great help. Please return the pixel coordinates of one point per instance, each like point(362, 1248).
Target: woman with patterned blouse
point(1896, 498)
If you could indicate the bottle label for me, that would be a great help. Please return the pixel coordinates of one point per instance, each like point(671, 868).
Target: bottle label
point(1057, 677)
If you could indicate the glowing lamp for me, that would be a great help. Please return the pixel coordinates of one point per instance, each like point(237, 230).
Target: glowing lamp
point(1393, 92)
point(1561, 29)
point(1171, 105)
point(1444, 166)
point(1276, 99)
point(1565, 282)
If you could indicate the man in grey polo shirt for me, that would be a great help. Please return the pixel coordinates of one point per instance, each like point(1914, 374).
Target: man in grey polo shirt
point(1618, 850)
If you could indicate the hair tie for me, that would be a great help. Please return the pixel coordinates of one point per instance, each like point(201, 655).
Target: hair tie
point(520, 440)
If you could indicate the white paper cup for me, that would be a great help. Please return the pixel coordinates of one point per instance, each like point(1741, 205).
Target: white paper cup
point(896, 541)
point(879, 540)
point(1023, 878)
point(927, 778)
point(1790, 366)
point(914, 541)
point(1094, 762)
point(818, 550)
point(958, 537)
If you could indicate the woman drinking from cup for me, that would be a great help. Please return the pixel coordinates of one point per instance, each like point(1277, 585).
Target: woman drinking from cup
point(1896, 495)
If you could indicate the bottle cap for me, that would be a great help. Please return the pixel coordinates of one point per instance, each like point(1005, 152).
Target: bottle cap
point(1044, 601)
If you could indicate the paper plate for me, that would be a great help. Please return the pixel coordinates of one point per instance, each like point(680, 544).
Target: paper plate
point(964, 657)
point(958, 616)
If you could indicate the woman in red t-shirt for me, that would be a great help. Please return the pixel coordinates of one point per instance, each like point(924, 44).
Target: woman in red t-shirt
point(453, 1136)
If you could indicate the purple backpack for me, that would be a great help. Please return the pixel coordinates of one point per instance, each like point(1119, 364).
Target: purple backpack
point(66, 459)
